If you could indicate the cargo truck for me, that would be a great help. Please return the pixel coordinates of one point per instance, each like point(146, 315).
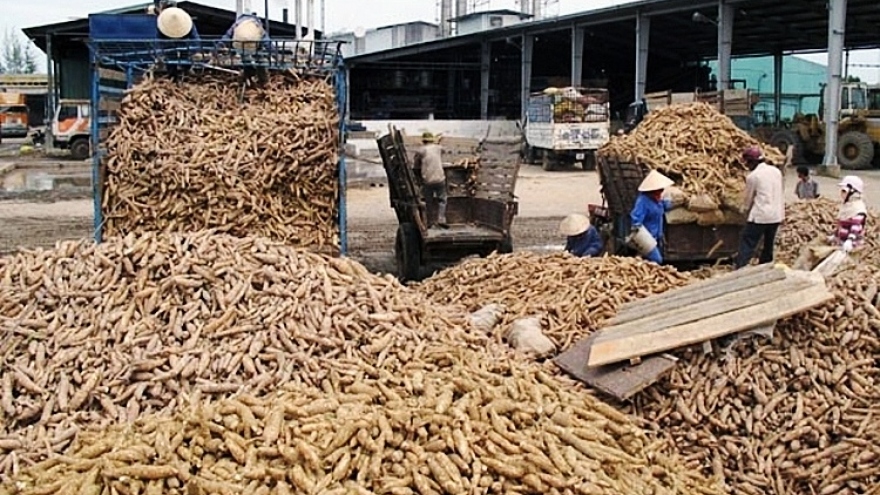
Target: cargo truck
point(566, 126)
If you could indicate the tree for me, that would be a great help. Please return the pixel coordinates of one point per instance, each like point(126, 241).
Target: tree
point(18, 56)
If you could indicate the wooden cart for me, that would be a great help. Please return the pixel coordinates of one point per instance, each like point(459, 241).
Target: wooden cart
point(683, 243)
point(480, 208)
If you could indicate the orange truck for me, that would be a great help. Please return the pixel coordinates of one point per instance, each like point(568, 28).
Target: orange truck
point(13, 115)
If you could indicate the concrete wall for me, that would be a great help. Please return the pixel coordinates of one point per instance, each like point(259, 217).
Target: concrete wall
point(483, 22)
point(453, 128)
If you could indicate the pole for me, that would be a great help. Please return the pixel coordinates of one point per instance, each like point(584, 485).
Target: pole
point(836, 33)
point(266, 13)
point(50, 95)
point(239, 8)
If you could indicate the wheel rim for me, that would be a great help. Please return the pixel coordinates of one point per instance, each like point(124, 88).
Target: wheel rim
point(850, 151)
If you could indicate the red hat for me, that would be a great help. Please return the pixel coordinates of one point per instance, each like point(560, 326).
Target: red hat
point(753, 154)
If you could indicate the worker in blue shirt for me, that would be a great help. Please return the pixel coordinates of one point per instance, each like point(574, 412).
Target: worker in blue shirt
point(582, 238)
point(649, 212)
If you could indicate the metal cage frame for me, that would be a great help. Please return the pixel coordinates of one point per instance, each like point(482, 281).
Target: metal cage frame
point(116, 65)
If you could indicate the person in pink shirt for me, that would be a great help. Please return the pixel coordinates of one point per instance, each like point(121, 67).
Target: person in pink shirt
point(852, 214)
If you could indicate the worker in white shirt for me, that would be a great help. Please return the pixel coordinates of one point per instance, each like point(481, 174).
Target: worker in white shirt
point(764, 207)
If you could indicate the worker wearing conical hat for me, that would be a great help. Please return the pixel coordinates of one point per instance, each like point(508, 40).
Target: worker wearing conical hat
point(649, 211)
point(175, 23)
point(247, 33)
point(582, 239)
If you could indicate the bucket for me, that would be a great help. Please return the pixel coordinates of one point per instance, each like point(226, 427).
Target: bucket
point(642, 241)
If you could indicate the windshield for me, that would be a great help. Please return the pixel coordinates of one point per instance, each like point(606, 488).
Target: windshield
point(13, 109)
point(858, 99)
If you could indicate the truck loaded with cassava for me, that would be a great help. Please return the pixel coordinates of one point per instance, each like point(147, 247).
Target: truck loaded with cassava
point(242, 137)
point(700, 149)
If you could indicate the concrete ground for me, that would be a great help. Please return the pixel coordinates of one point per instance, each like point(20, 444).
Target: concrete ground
point(544, 198)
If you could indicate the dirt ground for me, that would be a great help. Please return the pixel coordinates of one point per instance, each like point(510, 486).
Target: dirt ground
point(544, 198)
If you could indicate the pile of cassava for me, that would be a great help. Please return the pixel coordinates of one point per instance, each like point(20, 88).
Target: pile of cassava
point(255, 158)
point(701, 149)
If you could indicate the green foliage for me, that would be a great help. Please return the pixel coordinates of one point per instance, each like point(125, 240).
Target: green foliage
point(17, 55)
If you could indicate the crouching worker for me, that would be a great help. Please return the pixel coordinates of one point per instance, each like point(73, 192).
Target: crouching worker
point(852, 214)
point(648, 216)
point(582, 238)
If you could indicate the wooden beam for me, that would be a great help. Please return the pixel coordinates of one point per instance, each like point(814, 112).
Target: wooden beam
point(726, 303)
point(695, 294)
point(613, 351)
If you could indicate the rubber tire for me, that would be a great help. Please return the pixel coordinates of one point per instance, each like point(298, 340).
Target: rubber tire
point(506, 245)
point(408, 252)
point(548, 163)
point(783, 139)
point(79, 149)
point(589, 163)
point(858, 143)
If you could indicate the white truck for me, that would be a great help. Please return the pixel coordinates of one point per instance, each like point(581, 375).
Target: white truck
point(565, 126)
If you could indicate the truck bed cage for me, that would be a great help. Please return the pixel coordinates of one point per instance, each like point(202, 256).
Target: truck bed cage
point(311, 56)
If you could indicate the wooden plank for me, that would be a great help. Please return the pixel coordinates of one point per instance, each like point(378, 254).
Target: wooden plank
point(620, 381)
point(693, 294)
point(114, 75)
point(109, 105)
point(725, 303)
point(710, 328)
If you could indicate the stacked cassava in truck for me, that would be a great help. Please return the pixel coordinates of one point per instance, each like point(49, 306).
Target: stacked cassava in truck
point(567, 126)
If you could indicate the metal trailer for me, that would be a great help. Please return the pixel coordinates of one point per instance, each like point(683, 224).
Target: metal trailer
point(118, 64)
point(683, 243)
point(480, 209)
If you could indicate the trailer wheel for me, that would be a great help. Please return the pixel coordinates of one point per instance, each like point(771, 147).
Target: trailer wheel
point(79, 148)
point(855, 151)
point(506, 245)
point(408, 252)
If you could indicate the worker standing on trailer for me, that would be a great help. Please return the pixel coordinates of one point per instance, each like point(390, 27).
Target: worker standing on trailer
point(582, 239)
point(648, 216)
point(429, 161)
point(852, 214)
point(764, 207)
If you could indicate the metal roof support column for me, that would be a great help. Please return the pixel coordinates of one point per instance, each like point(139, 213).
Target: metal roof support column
point(643, 36)
point(528, 47)
point(836, 33)
point(725, 42)
point(50, 94)
point(777, 88)
point(577, 55)
point(485, 69)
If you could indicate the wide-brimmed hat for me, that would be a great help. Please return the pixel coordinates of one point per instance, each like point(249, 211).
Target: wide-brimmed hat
point(246, 34)
point(852, 183)
point(174, 22)
point(574, 224)
point(427, 137)
point(655, 181)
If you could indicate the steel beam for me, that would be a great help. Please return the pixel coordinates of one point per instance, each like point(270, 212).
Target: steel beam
point(643, 36)
point(836, 35)
point(528, 47)
point(777, 87)
point(725, 43)
point(485, 70)
point(577, 55)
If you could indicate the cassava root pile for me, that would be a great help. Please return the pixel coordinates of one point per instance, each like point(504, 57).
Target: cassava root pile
point(93, 335)
point(573, 294)
point(249, 159)
point(695, 142)
point(452, 423)
point(797, 414)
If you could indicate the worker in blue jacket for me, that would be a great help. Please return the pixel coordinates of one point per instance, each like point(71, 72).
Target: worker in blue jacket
point(650, 210)
point(582, 238)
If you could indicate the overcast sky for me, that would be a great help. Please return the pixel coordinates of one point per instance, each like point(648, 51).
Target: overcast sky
point(342, 15)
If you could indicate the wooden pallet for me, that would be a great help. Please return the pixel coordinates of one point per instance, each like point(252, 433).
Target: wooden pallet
point(710, 309)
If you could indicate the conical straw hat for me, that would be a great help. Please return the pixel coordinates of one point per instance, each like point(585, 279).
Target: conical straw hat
point(174, 22)
point(249, 31)
point(574, 224)
point(655, 181)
